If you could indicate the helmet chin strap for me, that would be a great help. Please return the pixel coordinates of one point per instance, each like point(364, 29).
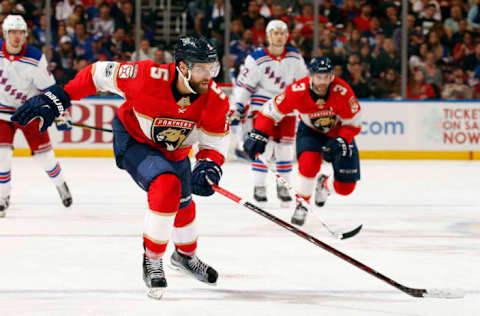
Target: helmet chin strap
point(186, 80)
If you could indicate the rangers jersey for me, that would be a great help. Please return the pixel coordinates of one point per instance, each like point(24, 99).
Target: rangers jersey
point(337, 114)
point(263, 76)
point(22, 76)
point(150, 112)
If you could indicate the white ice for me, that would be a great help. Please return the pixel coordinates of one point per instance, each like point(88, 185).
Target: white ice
point(421, 228)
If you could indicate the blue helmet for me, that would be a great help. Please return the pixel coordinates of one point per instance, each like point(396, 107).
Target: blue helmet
point(320, 65)
point(195, 49)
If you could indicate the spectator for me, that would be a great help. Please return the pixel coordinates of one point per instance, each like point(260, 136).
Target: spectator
point(266, 8)
point(362, 21)
point(104, 23)
point(99, 52)
point(457, 90)
point(464, 48)
point(146, 51)
point(330, 11)
point(118, 47)
point(125, 18)
point(471, 61)
point(417, 60)
point(350, 10)
point(473, 17)
point(357, 81)
point(366, 60)
point(93, 11)
point(258, 30)
point(82, 42)
point(214, 12)
point(392, 22)
point(278, 13)
point(240, 49)
point(198, 10)
point(431, 73)
point(236, 30)
point(390, 86)
point(65, 8)
point(388, 58)
point(305, 21)
point(296, 39)
point(419, 90)
point(427, 20)
point(451, 24)
point(249, 17)
point(39, 32)
point(436, 46)
point(66, 52)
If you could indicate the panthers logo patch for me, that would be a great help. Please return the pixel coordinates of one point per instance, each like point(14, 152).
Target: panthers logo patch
point(324, 121)
point(170, 133)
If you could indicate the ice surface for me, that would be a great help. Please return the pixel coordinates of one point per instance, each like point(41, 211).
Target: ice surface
point(421, 228)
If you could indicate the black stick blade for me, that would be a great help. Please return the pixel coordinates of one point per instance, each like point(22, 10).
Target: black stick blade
point(351, 233)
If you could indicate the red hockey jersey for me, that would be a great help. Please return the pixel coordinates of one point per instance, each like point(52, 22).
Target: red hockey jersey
point(150, 113)
point(337, 115)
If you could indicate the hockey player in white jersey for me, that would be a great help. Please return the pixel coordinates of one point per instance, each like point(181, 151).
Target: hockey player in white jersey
point(23, 74)
point(267, 72)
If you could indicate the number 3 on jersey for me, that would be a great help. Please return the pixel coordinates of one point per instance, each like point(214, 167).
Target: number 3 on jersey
point(298, 87)
point(340, 88)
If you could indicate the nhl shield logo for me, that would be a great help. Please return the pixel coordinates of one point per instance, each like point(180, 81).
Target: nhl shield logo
point(170, 133)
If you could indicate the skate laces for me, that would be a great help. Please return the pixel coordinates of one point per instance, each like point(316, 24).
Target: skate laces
point(197, 265)
point(154, 268)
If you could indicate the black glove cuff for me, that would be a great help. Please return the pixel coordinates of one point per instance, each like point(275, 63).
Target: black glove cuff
point(58, 100)
point(258, 135)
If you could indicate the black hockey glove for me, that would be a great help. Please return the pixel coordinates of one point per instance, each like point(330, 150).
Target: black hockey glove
point(335, 148)
point(46, 106)
point(255, 143)
point(203, 169)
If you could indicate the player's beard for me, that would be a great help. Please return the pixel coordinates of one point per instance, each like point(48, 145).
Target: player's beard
point(200, 86)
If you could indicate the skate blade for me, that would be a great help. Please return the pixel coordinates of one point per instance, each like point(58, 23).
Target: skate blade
point(156, 292)
point(186, 272)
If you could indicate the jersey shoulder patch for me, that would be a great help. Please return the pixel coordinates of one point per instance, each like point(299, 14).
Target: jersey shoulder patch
point(33, 53)
point(258, 53)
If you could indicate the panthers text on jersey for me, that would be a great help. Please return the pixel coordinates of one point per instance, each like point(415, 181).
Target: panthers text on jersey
point(338, 114)
point(263, 76)
point(22, 76)
point(150, 113)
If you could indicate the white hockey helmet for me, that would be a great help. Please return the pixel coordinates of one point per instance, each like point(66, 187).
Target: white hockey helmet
point(14, 22)
point(276, 24)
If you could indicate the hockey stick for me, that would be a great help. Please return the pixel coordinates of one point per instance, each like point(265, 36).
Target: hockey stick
point(74, 124)
point(304, 203)
point(433, 293)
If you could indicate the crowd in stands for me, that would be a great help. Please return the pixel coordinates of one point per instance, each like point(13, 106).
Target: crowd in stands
point(361, 37)
point(84, 32)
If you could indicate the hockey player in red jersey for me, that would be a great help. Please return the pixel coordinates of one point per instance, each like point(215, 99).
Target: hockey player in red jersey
point(330, 119)
point(167, 109)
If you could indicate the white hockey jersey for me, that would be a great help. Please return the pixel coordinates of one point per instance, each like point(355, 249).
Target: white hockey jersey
point(263, 76)
point(22, 76)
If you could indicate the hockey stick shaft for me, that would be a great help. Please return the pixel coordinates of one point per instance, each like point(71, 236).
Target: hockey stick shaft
point(315, 241)
point(304, 203)
point(74, 124)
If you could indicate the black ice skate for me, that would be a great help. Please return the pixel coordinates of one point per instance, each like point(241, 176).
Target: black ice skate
point(260, 193)
point(321, 193)
point(194, 267)
point(4, 203)
point(154, 277)
point(65, 194)
point(283, 194)
point(299, 215)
